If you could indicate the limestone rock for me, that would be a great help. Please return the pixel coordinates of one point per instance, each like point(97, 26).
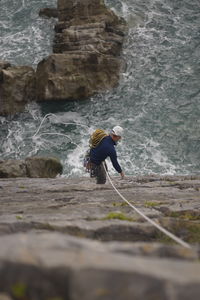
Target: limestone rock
point(75, 76)
point(90, 37)
point(56, 266)
point(44, 252)
point(17, 88)
point(12, 168)
point(43, 167)
point(34, 167)
point(87, 46)
point(80, 11)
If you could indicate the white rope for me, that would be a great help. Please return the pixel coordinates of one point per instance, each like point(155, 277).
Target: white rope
point(50, 114)
point(171, 235)
point(62, 134)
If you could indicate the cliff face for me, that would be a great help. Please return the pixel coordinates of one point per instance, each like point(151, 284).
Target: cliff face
point(73, 239)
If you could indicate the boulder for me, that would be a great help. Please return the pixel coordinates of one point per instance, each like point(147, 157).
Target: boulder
point(87, 46)
point(17, 88)
point(34, 167)
point(43, 167)
point(12, 168)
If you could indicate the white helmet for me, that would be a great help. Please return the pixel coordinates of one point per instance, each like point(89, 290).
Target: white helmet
point(117, 130)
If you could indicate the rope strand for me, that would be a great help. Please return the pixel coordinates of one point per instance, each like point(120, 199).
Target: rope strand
point(166, 232)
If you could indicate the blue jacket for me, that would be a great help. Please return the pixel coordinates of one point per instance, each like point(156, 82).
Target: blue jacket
point(103, 150)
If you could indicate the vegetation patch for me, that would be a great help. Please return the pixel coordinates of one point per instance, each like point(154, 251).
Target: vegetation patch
point(193, 233)
point(121, 204)
point(152, 203)
point(185, 215)
point(118, 216)
point(19, 290)
point(164, 239)
point(187, 230)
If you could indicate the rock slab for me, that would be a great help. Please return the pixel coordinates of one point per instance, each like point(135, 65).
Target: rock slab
point(55, 266)
point(59, 241)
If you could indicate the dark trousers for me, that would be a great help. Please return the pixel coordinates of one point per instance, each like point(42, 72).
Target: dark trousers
point(98, 172)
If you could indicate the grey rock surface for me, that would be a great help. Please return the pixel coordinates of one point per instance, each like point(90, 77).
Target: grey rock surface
point(72, 239)
point(59, 266)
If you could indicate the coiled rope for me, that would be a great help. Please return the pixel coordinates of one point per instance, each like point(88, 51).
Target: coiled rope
point(50, 114)
point(159, 227)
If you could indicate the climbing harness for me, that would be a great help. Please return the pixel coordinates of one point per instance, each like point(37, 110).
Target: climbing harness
point(87, 162)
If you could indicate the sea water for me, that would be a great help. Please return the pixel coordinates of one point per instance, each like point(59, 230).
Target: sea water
point(157, 101)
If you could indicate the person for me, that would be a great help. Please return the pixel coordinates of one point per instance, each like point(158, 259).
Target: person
point(105, 148)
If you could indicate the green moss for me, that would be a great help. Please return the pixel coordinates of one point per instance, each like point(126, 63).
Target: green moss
point(174, 214)
point(164, 239)
point(193, 233)
point(19, 217)
point(19, 290)
point(189, 231)
point(184, 215)
point(120, 204)
point(152, 203)
point(119, 216)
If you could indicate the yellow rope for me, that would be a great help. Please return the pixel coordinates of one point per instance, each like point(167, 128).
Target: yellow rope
point(97, 137)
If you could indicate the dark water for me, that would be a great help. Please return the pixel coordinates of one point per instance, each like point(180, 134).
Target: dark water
point(157, 101)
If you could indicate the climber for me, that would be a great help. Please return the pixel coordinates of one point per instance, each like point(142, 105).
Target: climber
point(102, 146)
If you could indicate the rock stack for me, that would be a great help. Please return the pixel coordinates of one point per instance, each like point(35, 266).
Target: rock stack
point(85, 60)
point(87, 47)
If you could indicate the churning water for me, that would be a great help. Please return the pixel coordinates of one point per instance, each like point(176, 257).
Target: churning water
point(157, 100)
